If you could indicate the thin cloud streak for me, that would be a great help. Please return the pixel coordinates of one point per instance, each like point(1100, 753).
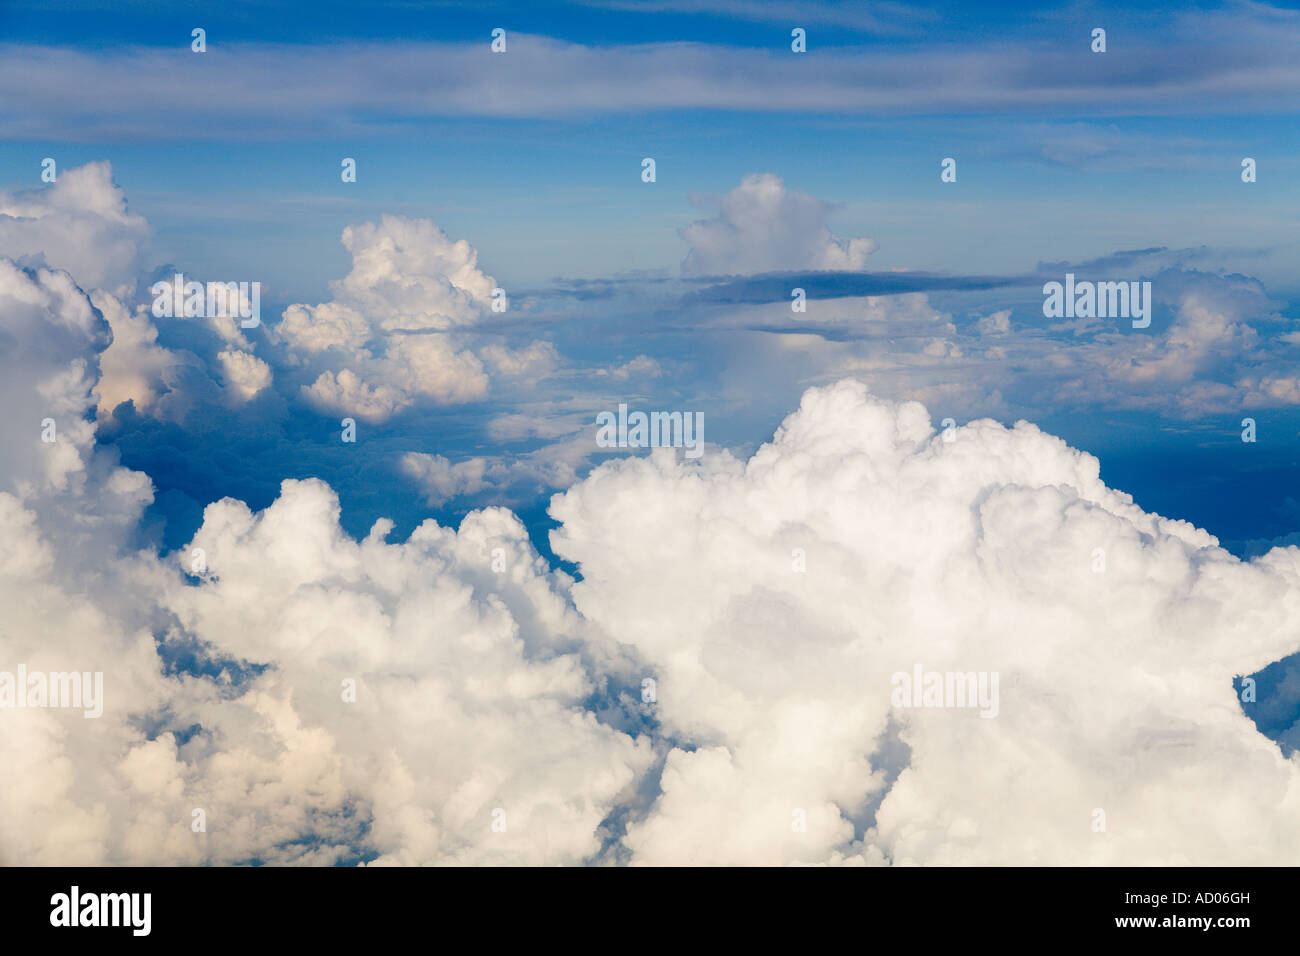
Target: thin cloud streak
point(277, 91)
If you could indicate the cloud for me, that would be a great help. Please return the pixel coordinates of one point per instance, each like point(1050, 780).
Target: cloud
point(79, 224)
point(777, 287)
point(763, 227)
point(386, 333)
point(66, 512)
point(1224, 60)
point(345, 392)
point(528, 364)
point(466, 631)
point(887, 19)
point(441, 480)
point(435, 640)
point(643, 366)
point(407, 274)
point(770, 597)
point(996, 323)
point(975, 555)
point(245, 374)
point(1217, 344)
point(227, 682)
point(52, 338)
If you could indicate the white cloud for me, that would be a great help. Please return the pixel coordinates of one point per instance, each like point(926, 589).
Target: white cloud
point(407, 275)
point(972, 555)
point(441, 480)
point(461, 674)
point(315, 328)
point(244, 373)
point(641, 367)
point(348, 394)
point(80, 224)
point(996, 323)
point(1238, 57)
point(386, 337)
point(475, 686)
point(763, 227)
point(530, 364)
point(53, 338)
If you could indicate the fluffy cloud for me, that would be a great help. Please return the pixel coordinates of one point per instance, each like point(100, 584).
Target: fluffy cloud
point(53, 336)
point(995, 323)
point(225, 668)
point(80, 224)
point(1217, 344)
point(406, 274)
point(245, 374)
point(441, 480)
point(1224, 349)
point(971, 555)
point(771, 599)
point(761, 226)
point(384, 341)
point(66, 510)
point(857, 544)
point(466, 674)
point(529, 364)
point(466, 632)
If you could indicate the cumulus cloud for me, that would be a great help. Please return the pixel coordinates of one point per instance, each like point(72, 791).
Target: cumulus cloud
point(346, 392)
point(385, 338)
point(245, 374)
point(1222, 350)
point(643, 366)
point(80, 224)
point(245, 712)
point(971, 555)
point(528, 364)
point(1217, 344)
point(449, 698)
point(311, 648)
point(465, 673)
point(995, 323)
point(441, 480)
point(857, 544)
point(53, 336)
point(761, 226)
point(407, 275)
point(66, 510)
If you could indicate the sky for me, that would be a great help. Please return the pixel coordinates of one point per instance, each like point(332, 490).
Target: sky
point(439, 335)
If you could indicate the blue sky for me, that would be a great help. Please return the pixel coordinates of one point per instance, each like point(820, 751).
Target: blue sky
point(1072, 174)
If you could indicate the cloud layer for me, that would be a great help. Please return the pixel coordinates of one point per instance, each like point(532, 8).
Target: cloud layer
point(1219, 59)
point(715, 685)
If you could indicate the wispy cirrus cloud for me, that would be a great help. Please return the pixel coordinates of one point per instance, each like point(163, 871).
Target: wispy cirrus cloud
point(1224, 60)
